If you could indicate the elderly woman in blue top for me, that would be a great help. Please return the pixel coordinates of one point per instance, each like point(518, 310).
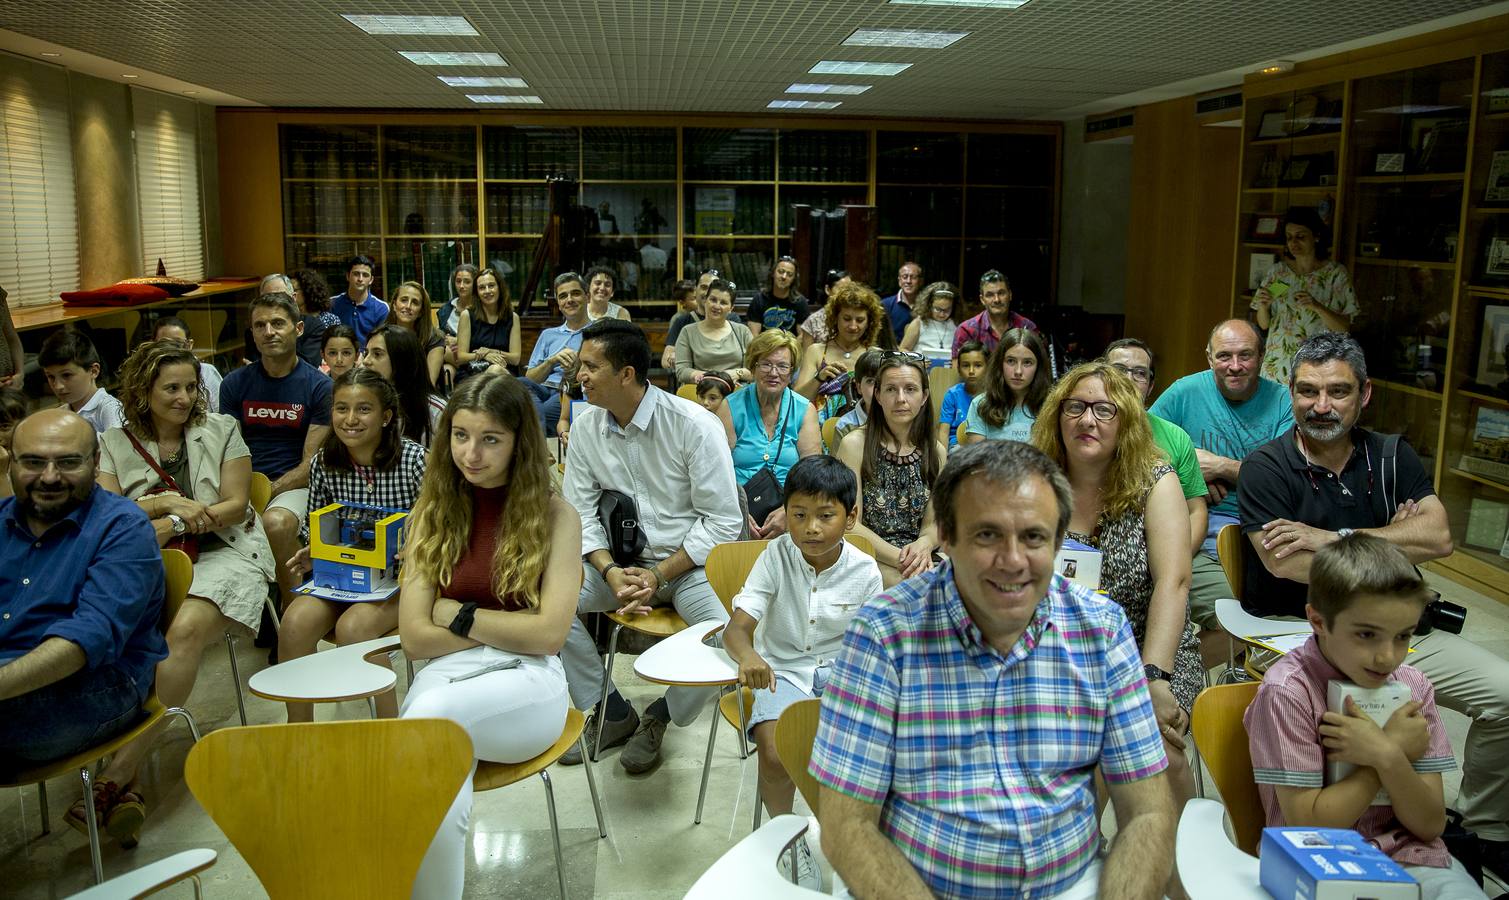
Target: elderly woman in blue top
point(773, 425)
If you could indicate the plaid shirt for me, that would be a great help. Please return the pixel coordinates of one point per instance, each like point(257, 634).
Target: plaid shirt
point(984, 762)
point(395, 488)
point(978, 329)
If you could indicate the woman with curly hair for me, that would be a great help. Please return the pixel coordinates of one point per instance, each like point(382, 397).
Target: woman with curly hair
point(1129, 505)
point(492, 569)
point(313, 296)
point(190, 472)
point(1017, 380)
point(855, 318)
point(932, 333)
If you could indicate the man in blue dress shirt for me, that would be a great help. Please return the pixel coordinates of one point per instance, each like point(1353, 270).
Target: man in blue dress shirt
point(82, 579)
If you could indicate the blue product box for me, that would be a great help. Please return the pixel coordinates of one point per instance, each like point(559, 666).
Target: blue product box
point(1329, 864)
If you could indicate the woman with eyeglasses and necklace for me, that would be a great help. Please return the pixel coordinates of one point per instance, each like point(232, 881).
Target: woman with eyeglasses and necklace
point(773, 425)
point(781, 305)
point(855, 318)
point(714, 344)
point(933, 335)
point(1017, 380)
point(897, 457)
point(1128, 504)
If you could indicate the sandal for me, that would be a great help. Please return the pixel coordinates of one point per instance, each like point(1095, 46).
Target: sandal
point(104, 797)
point(124, 820)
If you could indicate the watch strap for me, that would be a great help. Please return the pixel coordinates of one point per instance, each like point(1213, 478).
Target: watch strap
point(1154, 673)
point(461, 625)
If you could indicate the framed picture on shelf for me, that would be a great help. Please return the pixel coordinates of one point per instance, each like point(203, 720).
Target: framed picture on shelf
point(1273, 125)
point(1496, 259)
point(1389, 164)
point(1497, 190)
point(1268, 171)
point(1487, 524)
point(1265, 226)
point(1308, 169)
point(1493, 344)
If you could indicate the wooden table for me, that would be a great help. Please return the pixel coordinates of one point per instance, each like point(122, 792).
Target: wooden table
point(32, 318)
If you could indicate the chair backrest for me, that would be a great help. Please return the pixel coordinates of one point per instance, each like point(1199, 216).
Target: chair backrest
point(794, 732)
point(259, 492)
point(293, 798)
point(1218, 731)
point(687, 392)
point(178, 571)
point(939, 380)
point(1229, 549)
point(861, 543)
point(830, 434)
point(728, 567)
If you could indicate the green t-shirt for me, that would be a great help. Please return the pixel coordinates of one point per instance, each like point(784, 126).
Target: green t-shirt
point(1173, 441)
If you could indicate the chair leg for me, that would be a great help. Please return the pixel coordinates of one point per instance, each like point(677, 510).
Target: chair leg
point(42, 802)
point(707, 765)
point(94, 827)
point(555, 830)
point(372, 706)
point(1199, 775)
point(409, 664)
point(230, 649)
point(743, 729)
point(744, 738)
point(198, 891)
point(602, 702)
point(597, 807)
point(188, 719)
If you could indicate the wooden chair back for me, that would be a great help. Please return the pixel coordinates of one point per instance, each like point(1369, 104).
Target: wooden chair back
point(1222, 739)
point(794, 732)
point(939, 380)
point(1229, 550)
point(292, 798)
point(687, 392)
point(830, 435)
point(260, 492)
point(728, 567)
point(861, 543)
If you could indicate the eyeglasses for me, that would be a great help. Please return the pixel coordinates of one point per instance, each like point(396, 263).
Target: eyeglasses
point(790, 259)
point(906, 356)
point(1104, 410)
point(66, 465)
point(771, 368)
point(1136, 373)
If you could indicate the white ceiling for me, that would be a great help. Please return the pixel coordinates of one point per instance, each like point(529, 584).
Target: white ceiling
point(1048, 59)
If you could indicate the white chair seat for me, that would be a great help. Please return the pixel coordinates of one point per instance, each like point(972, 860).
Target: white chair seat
point(748, 871)
point(330, 676)
point(1244, 626)
point(152, 877)
point(1210, 865)
point(683, 659)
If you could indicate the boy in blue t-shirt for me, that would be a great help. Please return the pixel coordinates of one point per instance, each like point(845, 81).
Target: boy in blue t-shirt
point(956, 399)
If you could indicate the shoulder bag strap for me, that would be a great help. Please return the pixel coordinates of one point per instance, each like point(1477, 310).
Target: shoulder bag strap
point(1388, 471)
point(161, 473)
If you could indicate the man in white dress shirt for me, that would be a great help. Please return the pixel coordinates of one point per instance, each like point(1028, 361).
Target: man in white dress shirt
point(670, 456)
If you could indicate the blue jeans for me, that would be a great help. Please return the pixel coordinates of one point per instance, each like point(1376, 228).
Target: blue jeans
point(547, 403)
point(67, 716)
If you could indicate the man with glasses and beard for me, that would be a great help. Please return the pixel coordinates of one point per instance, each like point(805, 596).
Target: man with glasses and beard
point(1325, 479)
point(82, 581)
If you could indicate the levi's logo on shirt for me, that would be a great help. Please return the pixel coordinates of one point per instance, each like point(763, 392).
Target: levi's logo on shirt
point(264, 412)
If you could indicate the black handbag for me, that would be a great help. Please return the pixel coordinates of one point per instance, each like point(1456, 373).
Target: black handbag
point(763, 489)
point(620, 520)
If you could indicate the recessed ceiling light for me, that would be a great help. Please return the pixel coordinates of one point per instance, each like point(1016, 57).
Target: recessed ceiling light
point(482, 81)
point(843, 67)
point(987, 4)
point(802, 88)
point(903, 37)
point(504, 98)
point(130, 76)
point(50, 54)
point(803, 104)
point(430, 58)
point(412, 24)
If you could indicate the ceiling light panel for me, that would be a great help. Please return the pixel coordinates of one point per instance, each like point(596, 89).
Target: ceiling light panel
point(845, 67)
point(466, 81)
point(903, 37)
point(430, 58)
point(808, 88)
point(504, 98)
point(412, 24)
point(983, 4)
point(804, 104)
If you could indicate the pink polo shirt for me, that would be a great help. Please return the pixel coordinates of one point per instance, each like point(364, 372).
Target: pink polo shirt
point(1283, 728)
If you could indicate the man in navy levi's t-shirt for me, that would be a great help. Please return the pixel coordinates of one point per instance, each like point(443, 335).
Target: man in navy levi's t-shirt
point(283, 405)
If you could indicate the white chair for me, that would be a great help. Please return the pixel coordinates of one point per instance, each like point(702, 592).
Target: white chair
point(330, 676)
point(748, 871)
point(1210, 866)
point(153, 877)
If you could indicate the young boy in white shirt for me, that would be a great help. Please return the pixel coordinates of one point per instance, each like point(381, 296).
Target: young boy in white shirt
point(789, 618)
point(72, 366)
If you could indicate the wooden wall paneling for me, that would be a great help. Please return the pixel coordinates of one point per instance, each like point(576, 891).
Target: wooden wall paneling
point(251, 193)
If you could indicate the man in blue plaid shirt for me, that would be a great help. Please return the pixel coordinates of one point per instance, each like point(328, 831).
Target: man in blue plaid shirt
point(965, 717)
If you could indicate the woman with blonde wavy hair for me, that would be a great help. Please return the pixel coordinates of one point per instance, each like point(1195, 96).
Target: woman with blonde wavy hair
point(1129, 505)
point(492, 568)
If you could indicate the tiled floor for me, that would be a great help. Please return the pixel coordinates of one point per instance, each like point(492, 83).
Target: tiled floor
point(653, 850)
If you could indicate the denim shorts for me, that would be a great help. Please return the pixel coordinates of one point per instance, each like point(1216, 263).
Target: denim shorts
point(768, 705)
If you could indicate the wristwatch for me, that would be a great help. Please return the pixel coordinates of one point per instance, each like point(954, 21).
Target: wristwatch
point(1153, 673)
point(1345, 532)
point(179, 525)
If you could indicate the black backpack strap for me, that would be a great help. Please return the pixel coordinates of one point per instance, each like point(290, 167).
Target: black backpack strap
point(1388, 471)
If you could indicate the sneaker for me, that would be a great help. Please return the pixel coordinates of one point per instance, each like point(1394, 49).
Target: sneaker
point(642, 753)
point(615, 732)
point(807, 874)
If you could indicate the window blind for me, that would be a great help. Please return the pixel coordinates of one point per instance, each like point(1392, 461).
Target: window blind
point(39, 226)
point(168, 184)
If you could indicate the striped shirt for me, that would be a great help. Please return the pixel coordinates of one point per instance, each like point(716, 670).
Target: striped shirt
point(984, 762)
point(1283, 734)
point(395, 488)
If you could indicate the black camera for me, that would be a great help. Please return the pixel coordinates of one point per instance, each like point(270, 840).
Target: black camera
point(1442, 614)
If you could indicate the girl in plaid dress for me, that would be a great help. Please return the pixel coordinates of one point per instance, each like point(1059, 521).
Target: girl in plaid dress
point(365, 460)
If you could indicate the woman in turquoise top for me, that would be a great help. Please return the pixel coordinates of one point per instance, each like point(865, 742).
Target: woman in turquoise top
point(773, 425)
point(1017, 380)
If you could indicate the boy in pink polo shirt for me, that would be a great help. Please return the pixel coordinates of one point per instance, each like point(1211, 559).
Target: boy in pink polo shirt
point(1365, 601)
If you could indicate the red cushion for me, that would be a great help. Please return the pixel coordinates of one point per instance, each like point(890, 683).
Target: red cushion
point(115, 295)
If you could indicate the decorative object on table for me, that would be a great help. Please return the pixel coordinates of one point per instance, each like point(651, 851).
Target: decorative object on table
point(116, 295)
point(1272, 125)
point(353, 547)
point(1497, 190)
point(1391, 163)
point(1265, 227)
point(1487, 524)
point(1258, 266)
point(176, 287)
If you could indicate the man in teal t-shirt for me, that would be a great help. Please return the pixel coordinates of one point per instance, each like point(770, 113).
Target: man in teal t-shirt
point(1228, 412)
